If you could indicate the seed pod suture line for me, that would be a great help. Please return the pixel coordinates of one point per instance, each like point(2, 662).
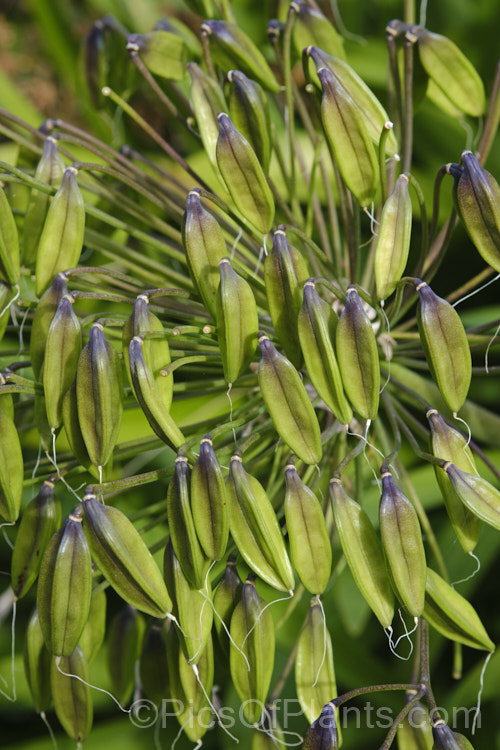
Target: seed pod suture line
point(93, 633)
point(72, 697)
point(207, 100)
point(11, 469)
point(476, 493)
point(249, 110)
point(10, 270)
point(37, 661)
point(44, 313)
point(393, 239)
point(226, 597)
point(209, 503)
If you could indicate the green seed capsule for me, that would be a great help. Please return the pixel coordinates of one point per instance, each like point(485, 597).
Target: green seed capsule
point(153, 663)
point(6, 294)
point(125, 636)
point(123, 558)
point(244, 177)
point(312, 27)
point(40, 521)
point(93, 633)
point(61, 240)
point(285, 273)
point(322, 734)
point(72, 697)
point(237, 321)
point(445, 344)
point(9, 242)
point(358, 358)
point(310, 547)
point(196, 717)
point(65, 587)
point(209, 503)
point(164, 53)
point(37, 660)
point(226, 597)
point(62, 351)
point(317, 323)
point(44, 313)
point(205, 247)
point(73, 430)
point(452, 615)
point(249, 111)
point(99, 373)
point(252, 630)
point(445, 739)
point(255, 528)
point(393, 239)
point(478, 495)
point(288, 404)
point(207, 100)
point(45, 434)
point(11, 469)
point(403, 547)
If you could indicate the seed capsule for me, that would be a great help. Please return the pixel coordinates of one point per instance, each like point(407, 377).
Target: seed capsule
point(358, 358)
point(6, 294)
point(37, 660)
point(65, 587)
point(207, 100)
point(153, 663)
point(164, 53)
point(244, 177)
point(226, 597)
point(123, 558)
point(310, 547)
point(252, 630)
point(316, 325)
point(44, 313)
point(312, 27)
point(445, 344)
point(196, 717)
point(72, 697)
point(393, 239)
point(125, 635)
point(11, 469)
point(73, 430)
point(478, 495)
point(249, 111)
point(93, 633)
point(40, 521)
point(61, 239)
point(209, 503)
point(9, 242)
point(322, 734)
point(288, 404)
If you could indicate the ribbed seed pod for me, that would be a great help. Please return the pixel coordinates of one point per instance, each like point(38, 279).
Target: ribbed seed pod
point(11, 469)
point(393, 239)
point(244, 176)
point(164, 53)
point(153, 663)
point(99, 373)
point(45, 434)
point(451, 71)
point(205, 247)
point(93, 633)
point(312, 27)
point(226, 597)
point(37, 660)
point(123, 558)
point(477, 494)
point(349, 140)
point(317, 323)
point(476, 195)
point(9, 242)
point(61, 239)
point(44, 312)
point(209, 503)
point(452, 615)
point(449, 444)
point(65, 587)
point(181, 525)
point(446, 739)
point(363, 553)
point(255, 528)
point(288, 404)
point(357, 356)
point(124, 641)
point(314, 671)
point(40, 521)
point(310, 547)
point(149, 397)
point(72, 428)
point(285, 273)
point(403, 546)
point(322, 734)
point(207, 100)
point(62, 351)
point(252, 630)
point(50, 169)
point(237, 321)
point(231, 48)
point(196, 717)
point(249, 111)
point(445, 345)
point(72, 697)
point(155, 349)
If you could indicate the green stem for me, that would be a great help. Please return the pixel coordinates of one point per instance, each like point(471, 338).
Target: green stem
point(391, 734)
point(408, 45)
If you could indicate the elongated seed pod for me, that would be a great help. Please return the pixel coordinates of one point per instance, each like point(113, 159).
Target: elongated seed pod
point(449, 444)
point(252, 630)
point(50, 169)
point(226, 597)
point(124, 642)
point(285, 273)
point(476, 493)
point(314, 670)
point(310, 547)
point(153, 671)
point(322, 734)
point(207, 100)
point(61, 239)
point(445, 345)
point(452, 615)
point(73, 430)
point(393, 239)
point(62, 351)
point(196, 717)
point(44, 313)
point(249, 111)
point(11, 469)
point(358, 358)
point(255, 528)
point(165, 54)
point(205, 247)
point(40, 521)
point(316, 325)
point(6, 294)
point(237, 321)
point(288, 404)
point(403, 546)
point(209, 503)
point(37, 660)
point(244, 176)
point(65, 587)
point(150, 399)
point(349, 140)
point(181, 525)
point(93, 633)
point(123, 558)
point(363, 553)
point(72, 697)
point(99, 373)
point(9, 242)
point(312, 27)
